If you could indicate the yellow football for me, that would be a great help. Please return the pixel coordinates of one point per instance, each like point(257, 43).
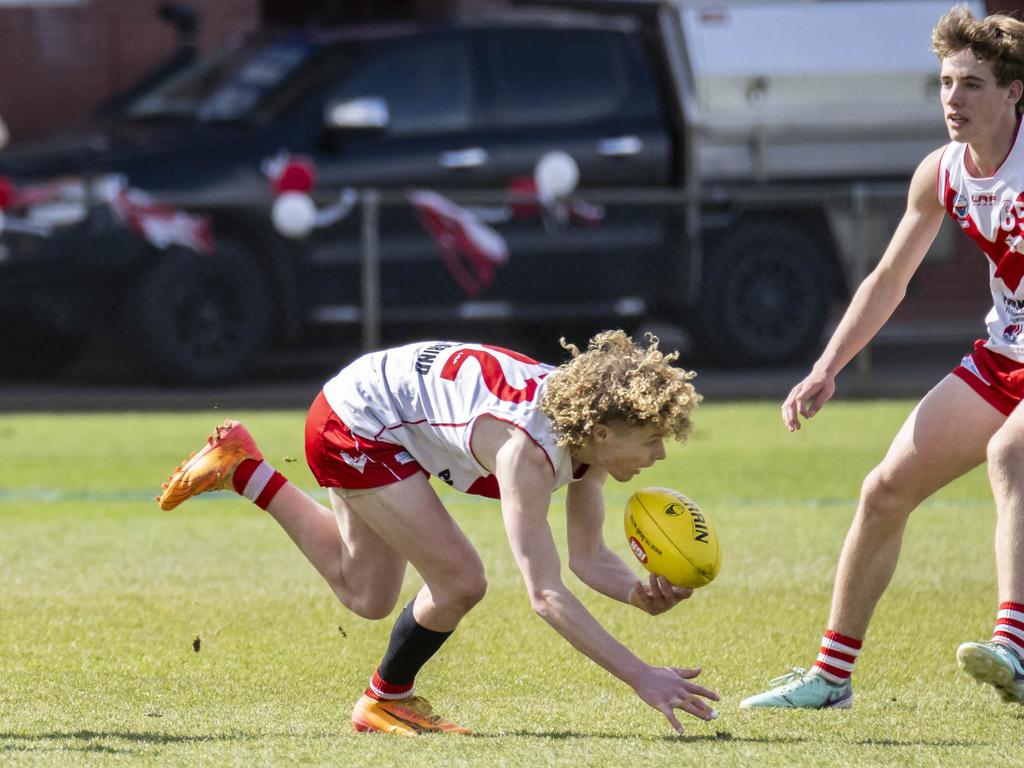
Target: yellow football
point(671, 537)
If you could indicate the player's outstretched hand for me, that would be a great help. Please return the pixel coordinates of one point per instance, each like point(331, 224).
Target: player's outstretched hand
point(807, 398)
point(669, 688)
point(657, 596)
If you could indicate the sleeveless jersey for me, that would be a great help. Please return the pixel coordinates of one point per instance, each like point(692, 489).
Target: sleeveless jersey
point(991, 211)
point(427, 396)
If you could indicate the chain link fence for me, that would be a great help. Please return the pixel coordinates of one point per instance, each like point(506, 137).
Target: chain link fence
point(199, 294)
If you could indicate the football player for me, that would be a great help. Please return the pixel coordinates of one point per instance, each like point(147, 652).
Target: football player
point(486, 421)
point(970, 416)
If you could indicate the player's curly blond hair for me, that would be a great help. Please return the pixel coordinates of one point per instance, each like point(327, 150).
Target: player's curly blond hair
point(618, 381)
point(998, 39)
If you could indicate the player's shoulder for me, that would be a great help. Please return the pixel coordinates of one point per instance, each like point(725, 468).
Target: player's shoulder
point(929, 165)
point(925, 185)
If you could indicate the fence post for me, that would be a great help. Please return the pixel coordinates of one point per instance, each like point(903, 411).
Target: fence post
point(370, 272)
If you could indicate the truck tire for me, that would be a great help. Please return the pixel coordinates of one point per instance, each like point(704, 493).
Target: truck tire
point(200, 319)
point(766, 295)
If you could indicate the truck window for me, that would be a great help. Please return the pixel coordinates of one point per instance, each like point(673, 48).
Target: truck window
point(556, 76)
point(426, 84)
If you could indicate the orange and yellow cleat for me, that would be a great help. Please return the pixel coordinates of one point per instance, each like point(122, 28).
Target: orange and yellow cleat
point(405, 717)
point(212, 467)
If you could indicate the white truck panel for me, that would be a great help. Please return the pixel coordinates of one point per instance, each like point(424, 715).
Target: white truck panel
point(799, 89)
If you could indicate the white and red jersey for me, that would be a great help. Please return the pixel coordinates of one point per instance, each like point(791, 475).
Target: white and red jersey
point(991, 211)
point(427, 396)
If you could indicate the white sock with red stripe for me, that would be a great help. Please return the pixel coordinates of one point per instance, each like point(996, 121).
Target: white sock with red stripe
point(836, 657)
point(258, 481)
point(1009, 629)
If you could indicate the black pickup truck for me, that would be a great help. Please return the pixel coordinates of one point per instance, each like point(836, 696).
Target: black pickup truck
point(456, 110)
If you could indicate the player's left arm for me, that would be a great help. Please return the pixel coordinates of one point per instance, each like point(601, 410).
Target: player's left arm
point(599, 567)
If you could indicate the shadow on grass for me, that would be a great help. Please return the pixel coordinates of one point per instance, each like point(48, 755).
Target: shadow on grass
point(720, 736)
point(918, 743)
point(36, 742)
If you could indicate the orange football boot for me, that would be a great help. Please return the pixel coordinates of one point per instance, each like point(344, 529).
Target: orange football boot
point(212, 467)
point(405, 717)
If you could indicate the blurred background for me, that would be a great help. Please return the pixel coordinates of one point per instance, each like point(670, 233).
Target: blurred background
point(232, 199)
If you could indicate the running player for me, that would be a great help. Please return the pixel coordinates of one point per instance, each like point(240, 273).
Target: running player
point(972, 414)
point(486, 421)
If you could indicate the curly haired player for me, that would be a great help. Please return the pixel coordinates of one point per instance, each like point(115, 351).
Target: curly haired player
point(491, 422)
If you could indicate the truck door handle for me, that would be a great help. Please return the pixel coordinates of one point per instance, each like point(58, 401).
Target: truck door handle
point(620, 146)
point(473, 157)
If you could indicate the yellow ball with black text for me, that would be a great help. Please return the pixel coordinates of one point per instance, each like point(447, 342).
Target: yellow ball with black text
point(671, 537)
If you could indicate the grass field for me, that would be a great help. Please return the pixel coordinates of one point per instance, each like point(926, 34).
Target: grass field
point(102, 597)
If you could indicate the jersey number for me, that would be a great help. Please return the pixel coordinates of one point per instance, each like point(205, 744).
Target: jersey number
point(492, 374)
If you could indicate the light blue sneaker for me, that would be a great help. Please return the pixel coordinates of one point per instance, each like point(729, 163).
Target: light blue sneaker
point(995, 665)
point(802, 690)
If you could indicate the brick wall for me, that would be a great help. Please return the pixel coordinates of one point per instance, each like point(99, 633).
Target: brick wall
point(62, 60)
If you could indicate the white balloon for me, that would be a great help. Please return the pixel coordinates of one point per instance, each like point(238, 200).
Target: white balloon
point(556, 175)
point(294, 214)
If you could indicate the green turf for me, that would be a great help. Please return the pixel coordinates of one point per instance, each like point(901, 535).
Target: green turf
point(102, 597)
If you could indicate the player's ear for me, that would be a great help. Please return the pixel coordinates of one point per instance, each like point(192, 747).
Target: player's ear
point(600, 433)
point(1015, 90)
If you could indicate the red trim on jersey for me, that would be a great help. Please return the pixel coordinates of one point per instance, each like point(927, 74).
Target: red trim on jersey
point(940, 191)
point(554, 471)
point(514, 355)
point(486, 487)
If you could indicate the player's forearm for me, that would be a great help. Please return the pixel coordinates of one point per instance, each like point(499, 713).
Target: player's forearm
point(605, 572)
point(567, 616)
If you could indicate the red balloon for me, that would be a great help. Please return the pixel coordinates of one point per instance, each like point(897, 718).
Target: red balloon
point(6, 193)
point(297, 176)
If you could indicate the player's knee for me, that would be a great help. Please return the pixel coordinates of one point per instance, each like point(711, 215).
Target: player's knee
point(372, 607)
point(885, 496)
point(1005, 455)
point(470, 590)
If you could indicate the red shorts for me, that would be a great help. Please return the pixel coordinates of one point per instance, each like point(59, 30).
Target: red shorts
point(998, 379)
point(339, 459)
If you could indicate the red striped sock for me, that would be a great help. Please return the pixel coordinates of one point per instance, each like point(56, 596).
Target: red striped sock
point(257, 481)
point(836, 656)
point(381, 690)
point(1009, 629)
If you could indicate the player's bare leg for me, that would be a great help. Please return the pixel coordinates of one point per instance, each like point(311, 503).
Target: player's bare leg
point(945, 436)
point(1000, 661)
point(410, 518)
point(361, 569)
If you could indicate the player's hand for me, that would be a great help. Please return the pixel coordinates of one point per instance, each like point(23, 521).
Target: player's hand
point(657, 596)
point(669, 688)
point(807, 398)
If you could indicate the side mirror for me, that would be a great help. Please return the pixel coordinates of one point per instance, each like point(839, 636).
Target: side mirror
point(363, 113)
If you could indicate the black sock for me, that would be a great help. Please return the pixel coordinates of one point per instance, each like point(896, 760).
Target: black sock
point(409, 648)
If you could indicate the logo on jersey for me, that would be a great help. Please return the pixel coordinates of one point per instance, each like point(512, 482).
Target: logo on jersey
point(960, 206)
point(1014, 244)
point(984, 199)
point(968, 364)
point(358, 463)
point(1011, 332)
